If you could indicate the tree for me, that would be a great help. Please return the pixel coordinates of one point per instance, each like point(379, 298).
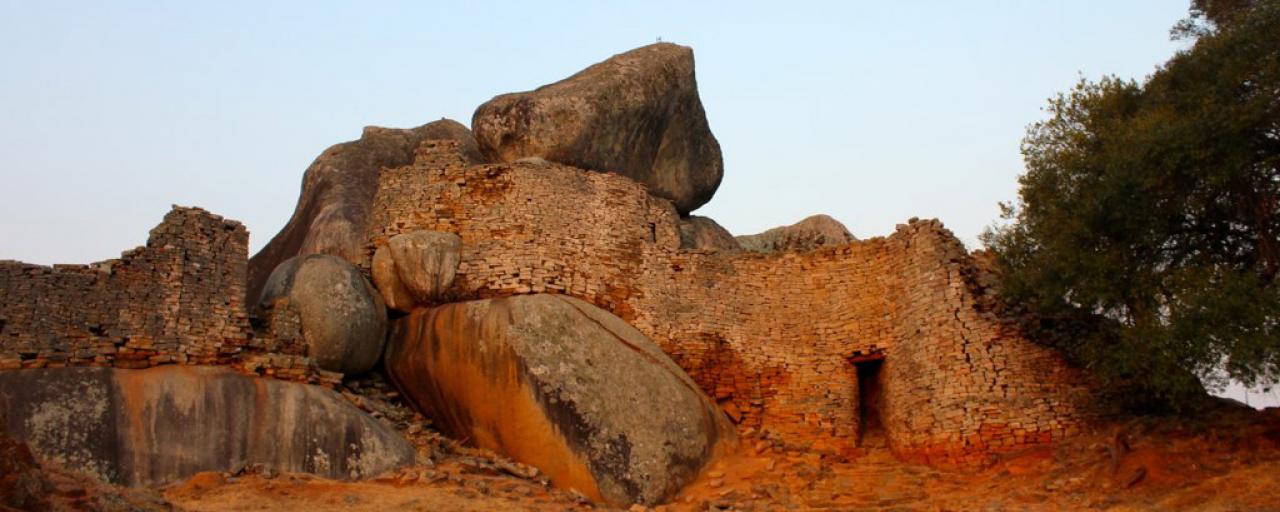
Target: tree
point(1220, 12)
point(1146, 238)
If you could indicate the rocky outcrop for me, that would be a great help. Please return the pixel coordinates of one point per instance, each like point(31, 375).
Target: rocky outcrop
point(23, 485)
point(416, 268)
point(557, 383)
point(27, 485)
point(342, 317)
point(144, 427)
point(637, 114)
point(809, 234)
point(338, 189)
point(704, 234)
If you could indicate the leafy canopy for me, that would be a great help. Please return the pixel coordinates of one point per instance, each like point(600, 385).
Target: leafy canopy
point(1146, 238)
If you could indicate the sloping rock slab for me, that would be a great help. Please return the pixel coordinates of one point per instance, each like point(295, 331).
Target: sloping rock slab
point(637, 114)
point(559, 384)
point(338, 190)
point(143, 427)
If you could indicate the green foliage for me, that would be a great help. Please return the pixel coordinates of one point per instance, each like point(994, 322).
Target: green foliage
point(1146, 238)
point(1208, 14)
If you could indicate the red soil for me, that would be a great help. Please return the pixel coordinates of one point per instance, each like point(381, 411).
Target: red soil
point(1231, 462)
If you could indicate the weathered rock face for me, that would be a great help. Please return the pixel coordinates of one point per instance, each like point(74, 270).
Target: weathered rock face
point(338, 189)
point(557, 383)
point(343, 319)
point(26, 485)
point(385, 278)
point(637, 114)
point(703, 233)
point(416, 268)
point(809, 234)
point(143, 427)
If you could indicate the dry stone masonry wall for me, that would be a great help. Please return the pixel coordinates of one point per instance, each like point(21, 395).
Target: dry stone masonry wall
point(775, 339)
point(770, 337)
point(178, 299)
point(527, 227)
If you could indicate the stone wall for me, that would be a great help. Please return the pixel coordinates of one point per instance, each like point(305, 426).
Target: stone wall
point(178, 299)
point(769, 336)
point(527, 228)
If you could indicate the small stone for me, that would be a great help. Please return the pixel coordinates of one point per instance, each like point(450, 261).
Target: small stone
point(1135, 477)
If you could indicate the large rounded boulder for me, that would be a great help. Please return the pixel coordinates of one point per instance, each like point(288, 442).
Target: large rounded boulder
point(637, 114)
point(146, 427)
point(813, 232)
point(338, 191)
point(343, 319)
point(557, 383)
point(416, 268)
point(705, 234)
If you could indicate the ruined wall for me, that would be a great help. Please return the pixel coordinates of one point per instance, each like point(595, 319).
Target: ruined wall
point(960, 383)
point(178, 299)
point(767, 336)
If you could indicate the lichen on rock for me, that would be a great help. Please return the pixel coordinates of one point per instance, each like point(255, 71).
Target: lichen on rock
point(557, 383)
point(144, 427)
point(342, 317)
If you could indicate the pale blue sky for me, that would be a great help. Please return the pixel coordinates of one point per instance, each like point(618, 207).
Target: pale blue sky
point(872, 112)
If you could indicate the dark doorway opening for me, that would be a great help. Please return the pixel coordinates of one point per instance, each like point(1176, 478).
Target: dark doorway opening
point(870, 425)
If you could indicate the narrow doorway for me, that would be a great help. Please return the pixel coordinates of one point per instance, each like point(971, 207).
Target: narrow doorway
point(870, 426)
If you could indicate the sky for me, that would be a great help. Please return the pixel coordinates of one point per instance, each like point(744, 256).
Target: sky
point(871, 112)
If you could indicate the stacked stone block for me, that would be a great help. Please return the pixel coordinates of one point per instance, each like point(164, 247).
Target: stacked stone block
point(769, 337)
point(178, 299)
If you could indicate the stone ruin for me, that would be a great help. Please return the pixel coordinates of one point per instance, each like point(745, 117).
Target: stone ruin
point(782, 341)
point(829, 344)
point(178, 299)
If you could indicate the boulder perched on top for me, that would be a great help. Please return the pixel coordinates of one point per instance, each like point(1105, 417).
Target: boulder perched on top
point(637, 114)
point(416, 268)
point(338, 191)
point(809, 234)
point(704, 234)
point(342, 317)
point(154, 426)
point(562, 385)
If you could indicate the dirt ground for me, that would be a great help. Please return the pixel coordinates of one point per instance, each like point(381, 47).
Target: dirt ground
point(417, 489)
point(1231, 462)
